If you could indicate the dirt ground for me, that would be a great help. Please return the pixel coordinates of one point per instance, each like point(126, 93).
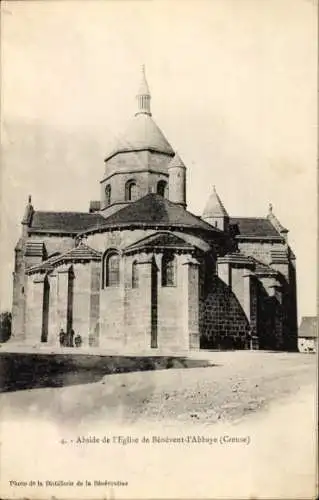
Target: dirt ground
point(269, 398)
point(217, 386)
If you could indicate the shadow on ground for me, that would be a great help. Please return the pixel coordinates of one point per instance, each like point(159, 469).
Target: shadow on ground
point(32, 371)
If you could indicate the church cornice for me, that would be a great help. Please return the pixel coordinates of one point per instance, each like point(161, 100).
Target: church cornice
point(53, 232)
point(135, 171)
point(161, 249)
point(138, 150)
point(142, 225)
point(261, 239)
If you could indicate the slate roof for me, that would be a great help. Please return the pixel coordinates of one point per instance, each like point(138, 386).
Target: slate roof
point(155, 211)
point(254, 227)
point(151, 210)
point(308, 327)
point(275, 222)
point(63, 222)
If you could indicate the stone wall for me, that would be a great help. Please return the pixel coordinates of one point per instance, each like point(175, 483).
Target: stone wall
point(94, 333)
point(170, 305)
point(34, 309)
point(112, 332)
point(229, 315)
point(82, 284)
point(267, 306)
point(307, 344)
point(260, 250)
point(144, 167)
point(53, 244)
point(224, 309)
point(117, 239)
point(19, 296)
point(132, 317)
point(223, 322)
point(138, 305)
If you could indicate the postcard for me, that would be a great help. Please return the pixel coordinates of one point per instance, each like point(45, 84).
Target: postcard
point(158, 319)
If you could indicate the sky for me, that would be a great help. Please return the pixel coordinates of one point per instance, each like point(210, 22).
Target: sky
point(234, 89)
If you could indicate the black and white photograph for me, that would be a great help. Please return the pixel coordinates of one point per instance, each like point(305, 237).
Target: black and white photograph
point(158, 314)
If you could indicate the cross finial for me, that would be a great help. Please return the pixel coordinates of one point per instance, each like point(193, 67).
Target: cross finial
point(29, 199)
point(270, 208)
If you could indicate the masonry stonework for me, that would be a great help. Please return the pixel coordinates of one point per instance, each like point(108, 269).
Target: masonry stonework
point(140, 272)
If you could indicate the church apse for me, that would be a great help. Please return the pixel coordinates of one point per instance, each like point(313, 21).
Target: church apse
point(129, 272)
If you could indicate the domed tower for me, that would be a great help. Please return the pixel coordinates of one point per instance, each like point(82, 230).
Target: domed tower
point(215, 213)
point(177, 181)
point(138, 162)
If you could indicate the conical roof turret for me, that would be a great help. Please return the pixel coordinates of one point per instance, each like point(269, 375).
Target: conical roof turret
point(214, 207)
point(176, 162)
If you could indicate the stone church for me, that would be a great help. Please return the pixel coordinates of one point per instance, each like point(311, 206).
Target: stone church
point(139, 271)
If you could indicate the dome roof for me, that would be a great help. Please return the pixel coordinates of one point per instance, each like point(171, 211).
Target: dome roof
point(142, 134)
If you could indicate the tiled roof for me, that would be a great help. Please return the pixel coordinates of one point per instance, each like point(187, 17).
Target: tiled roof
point(262, 269)
point(64, 222)
point(254, 227)
point(77, 254)
point(159, 240)
point(259, 268)
point(168, 239)
point(308, 327)
point(81, 252)
point(35, 248)
point(236, 258)
point(154, 210)
point(279, 256)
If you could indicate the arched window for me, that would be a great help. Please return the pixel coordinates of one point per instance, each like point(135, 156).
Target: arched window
point(108, 195)
point(168, 270)
point(135, 274)
point(131, 191)
point(112, 270)
point(161, 188)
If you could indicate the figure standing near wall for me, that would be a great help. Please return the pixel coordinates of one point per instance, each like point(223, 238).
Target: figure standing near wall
point(62, 337)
